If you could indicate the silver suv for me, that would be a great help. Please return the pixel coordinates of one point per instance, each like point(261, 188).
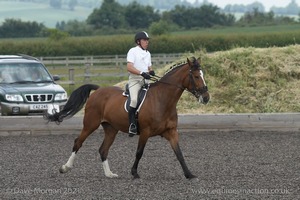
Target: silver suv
point(26, 87)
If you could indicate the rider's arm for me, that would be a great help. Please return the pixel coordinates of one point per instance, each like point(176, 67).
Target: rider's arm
point(132, 69)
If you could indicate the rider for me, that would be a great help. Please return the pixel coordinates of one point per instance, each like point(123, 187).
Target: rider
point(139, 68)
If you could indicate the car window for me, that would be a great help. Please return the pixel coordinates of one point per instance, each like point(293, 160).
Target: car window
point(7, 74)
point(23, 72)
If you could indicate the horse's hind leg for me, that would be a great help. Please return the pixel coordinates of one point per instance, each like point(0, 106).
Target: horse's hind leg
point(88, 128)
point(172, 137)
point(69, 165)
point(110, 135)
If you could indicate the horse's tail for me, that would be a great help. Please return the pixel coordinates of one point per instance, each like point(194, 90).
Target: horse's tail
point(74, 104)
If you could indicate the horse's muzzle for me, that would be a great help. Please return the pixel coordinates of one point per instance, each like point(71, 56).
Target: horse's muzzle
point(203, 99)
point(202, 95)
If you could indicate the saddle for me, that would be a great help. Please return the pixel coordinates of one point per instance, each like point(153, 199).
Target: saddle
point(141, 97)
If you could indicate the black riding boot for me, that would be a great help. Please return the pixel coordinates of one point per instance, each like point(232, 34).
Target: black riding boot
point(132, 122)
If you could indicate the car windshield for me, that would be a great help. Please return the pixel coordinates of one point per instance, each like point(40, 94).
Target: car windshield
point(23, 73)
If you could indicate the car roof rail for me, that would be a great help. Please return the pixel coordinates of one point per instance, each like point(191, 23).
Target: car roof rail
point(27, 57)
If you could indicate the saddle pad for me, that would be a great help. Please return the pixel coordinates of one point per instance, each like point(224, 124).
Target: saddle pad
point(141, 98)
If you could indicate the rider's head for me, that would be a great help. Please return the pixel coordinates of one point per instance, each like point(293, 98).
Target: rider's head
point(141, 36)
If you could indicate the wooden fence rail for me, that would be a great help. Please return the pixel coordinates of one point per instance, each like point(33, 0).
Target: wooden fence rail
point(117, 60)
point(102, 70)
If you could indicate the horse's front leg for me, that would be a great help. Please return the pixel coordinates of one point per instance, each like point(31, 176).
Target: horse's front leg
point(172, 137)
point(139, 154)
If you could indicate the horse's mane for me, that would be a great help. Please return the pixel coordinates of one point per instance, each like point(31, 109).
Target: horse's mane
point(171, 69)
point(175, 66)
point(178, 65)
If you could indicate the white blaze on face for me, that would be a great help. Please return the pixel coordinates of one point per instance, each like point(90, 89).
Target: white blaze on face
point(202, 76)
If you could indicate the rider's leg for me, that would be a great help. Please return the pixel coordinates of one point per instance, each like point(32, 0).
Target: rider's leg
point(132, 121)
point(134, 88)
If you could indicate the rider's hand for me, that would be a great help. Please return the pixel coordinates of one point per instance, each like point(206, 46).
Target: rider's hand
point(145, 75)
point(152, 73)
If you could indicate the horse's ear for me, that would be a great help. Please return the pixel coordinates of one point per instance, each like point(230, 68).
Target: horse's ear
point(188, 61)
point(191, 61)
point(199, 60)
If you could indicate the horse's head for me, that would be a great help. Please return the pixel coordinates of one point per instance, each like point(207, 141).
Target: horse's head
point(196, 83)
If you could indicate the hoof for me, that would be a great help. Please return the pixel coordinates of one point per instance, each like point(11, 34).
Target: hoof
point(190, 176)
point(134, 173)
point(64, 169)
point(111, 175)
point(136, 176)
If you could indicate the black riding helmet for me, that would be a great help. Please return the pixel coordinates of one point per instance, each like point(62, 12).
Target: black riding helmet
point(141, 35)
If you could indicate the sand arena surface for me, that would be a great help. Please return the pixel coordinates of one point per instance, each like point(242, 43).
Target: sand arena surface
point(229, 165)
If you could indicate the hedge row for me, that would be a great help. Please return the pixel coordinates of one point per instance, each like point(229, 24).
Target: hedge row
point(111, 45)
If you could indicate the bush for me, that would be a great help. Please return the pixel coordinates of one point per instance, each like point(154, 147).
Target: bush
point(159, 28)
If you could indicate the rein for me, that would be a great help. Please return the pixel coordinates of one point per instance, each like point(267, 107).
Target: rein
point(194, 91)
point(157, 79)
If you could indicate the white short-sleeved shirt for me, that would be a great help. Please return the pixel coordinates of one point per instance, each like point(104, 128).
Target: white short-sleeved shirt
point(140, 58)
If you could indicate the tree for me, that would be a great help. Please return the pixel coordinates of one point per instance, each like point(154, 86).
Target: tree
point(256, 17)
point(13, 28)
point(75, 28)
point(260, 18)
point(159, 28)
point(177, 15)
point(56, 35)
point(110, 15)
point(138, 16)
point(204, 16)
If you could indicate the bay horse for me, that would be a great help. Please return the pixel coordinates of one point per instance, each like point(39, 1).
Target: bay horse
point(157, 116)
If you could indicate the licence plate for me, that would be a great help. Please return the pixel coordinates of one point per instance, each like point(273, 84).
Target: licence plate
point(39, 107)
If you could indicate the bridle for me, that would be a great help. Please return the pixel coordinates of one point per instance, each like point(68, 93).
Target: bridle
point(196, 92)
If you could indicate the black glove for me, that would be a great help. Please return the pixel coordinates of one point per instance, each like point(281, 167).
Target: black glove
point(152, 73)
point(145, 75)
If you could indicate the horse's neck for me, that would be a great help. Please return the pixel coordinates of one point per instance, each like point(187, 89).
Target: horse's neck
point(165, 98)
point(170, 89)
